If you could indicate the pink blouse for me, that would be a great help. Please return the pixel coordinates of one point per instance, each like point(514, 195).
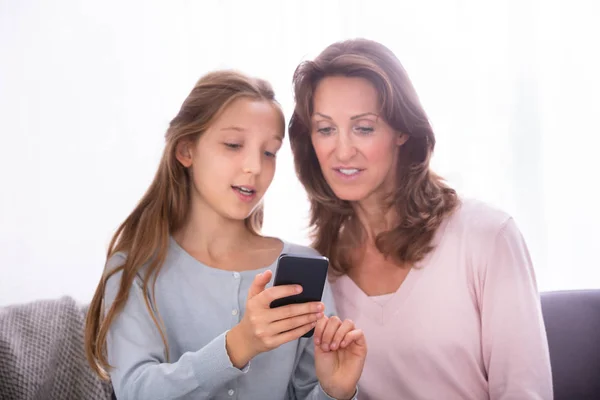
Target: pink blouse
point(466, 324)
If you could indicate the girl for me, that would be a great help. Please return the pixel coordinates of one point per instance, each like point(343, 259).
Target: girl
point(446, 285)
point(182, 311)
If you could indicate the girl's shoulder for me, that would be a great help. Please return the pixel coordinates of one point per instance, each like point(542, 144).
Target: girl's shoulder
point(298, 249)
point(115, 261)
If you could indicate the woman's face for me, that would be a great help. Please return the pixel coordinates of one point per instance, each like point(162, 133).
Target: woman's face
point(357, 150)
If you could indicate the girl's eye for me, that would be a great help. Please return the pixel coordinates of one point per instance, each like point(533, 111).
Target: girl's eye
point(269, 154)
point(234, 146)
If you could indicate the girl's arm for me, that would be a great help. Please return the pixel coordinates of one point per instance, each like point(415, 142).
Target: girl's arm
point(136, 353)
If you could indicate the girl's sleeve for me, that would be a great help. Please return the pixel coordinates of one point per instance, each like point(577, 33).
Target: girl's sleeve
point(135, 350)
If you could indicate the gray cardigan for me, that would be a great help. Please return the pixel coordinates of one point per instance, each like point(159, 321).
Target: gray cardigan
point(198, 305)
point(42, 354)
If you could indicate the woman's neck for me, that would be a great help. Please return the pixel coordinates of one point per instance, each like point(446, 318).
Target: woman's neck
point(374, 216)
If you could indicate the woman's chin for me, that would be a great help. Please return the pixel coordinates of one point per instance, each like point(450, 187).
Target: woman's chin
point(350, 194)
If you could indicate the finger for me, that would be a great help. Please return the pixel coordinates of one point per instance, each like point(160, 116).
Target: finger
point(346, 327)
point(294, 310)
point(278, 292)
point(355, 336)
point(259, 283)
point(289, 324)
point(319, 328)
point(294, 334)
point(332, 326)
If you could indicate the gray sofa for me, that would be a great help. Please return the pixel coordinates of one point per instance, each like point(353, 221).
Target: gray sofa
point(572, 321)
point(41, 349)
point(42, 355)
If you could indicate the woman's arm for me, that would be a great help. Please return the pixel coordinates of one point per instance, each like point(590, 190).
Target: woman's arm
point(305, 384)
point(515, 346)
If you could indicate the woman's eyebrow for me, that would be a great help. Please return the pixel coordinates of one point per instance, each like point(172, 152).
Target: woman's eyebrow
point(363, 115)
point(323, 115)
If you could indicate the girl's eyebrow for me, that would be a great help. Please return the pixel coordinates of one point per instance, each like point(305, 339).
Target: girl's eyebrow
point(233, 128)
point(240, 129)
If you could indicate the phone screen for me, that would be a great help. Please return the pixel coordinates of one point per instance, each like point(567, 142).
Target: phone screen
point(310, 272)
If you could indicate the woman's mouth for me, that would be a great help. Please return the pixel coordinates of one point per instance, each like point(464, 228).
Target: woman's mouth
point(348, 173)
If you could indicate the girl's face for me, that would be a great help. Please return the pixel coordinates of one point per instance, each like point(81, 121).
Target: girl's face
point(232, 164)
point(357, 150)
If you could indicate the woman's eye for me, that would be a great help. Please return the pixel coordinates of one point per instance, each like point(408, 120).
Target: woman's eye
point(234, 146)
point(325, 131)
point(269, 154)
point(365, 129)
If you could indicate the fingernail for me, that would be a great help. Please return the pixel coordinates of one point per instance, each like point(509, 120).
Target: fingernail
point(343, 343)
point(333, 345)
point(325, 347)
point(298, 289)
point(317, 341)
point(319, 307)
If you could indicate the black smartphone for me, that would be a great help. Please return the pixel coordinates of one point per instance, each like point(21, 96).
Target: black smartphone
point(310, 272)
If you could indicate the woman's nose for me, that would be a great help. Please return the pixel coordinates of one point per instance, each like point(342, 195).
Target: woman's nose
point(344, 149)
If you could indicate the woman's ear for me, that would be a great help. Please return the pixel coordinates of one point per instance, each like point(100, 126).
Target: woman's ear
point(183, 153)
point(401, 139)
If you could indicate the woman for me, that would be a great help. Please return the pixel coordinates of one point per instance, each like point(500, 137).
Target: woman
point(185, 288)
point(442, 287)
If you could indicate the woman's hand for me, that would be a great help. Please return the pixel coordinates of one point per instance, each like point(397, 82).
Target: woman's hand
point(340, 352)
point(263, 328)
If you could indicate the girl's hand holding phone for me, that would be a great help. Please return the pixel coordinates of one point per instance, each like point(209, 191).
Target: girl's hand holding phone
point(263, 328)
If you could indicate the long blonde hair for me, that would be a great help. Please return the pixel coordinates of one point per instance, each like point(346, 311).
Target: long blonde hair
point(144, 235)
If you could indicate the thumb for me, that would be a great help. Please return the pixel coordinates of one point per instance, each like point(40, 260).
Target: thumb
point(259, 283)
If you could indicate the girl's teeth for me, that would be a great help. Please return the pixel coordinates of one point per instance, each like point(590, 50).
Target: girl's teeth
point(349, 171)
point(244, 191)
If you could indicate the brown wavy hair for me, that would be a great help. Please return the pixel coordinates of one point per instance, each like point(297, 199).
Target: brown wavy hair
point(421, 199)
point(144, 235)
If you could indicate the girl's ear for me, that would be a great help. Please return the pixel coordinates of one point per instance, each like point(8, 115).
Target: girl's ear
point(183, 152)
point(401, 139)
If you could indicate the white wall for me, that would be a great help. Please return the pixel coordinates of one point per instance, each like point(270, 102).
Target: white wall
point(87, 89)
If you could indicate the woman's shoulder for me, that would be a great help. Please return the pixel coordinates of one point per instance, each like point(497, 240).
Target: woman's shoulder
point(481, 230)
point(477, 218)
